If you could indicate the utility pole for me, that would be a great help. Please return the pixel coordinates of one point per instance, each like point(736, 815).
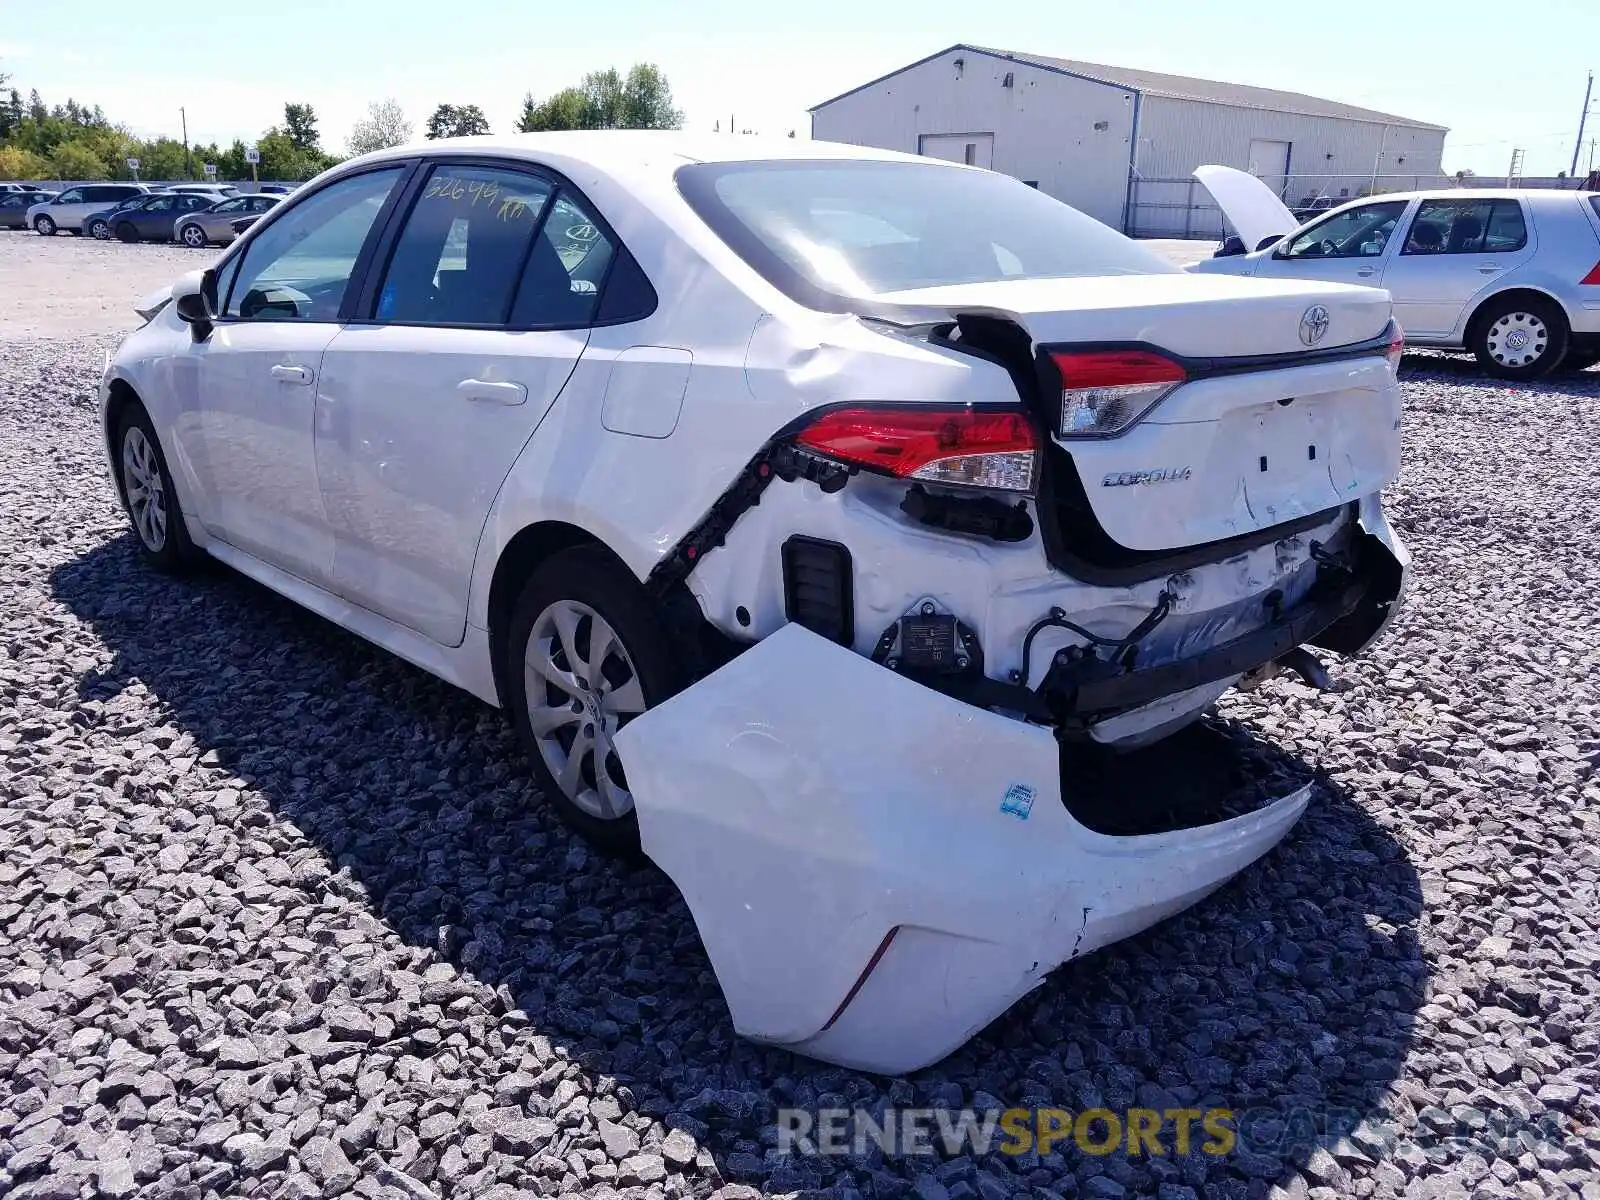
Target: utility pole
point(188, 162)
point(1583, 119)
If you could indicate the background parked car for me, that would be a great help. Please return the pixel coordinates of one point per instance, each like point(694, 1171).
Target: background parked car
point(276, 189)
point(14, 207)
point(69, 210)
point(98, 225)
point(215, 225)
point(1510, 274)
point(217, 191)
point(154, 218)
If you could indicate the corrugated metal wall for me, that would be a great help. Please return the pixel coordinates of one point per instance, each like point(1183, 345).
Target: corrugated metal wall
point(1176, 136)
point(1044, 124)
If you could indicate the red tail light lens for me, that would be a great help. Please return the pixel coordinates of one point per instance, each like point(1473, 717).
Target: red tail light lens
point(1397, 346)
point(965, 447)
point(1104, 392)
point(1593, 277)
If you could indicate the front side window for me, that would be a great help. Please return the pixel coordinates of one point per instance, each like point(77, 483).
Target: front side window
point(828, 231)
point(460, 257)
point(71, 196)
point(260, 204)
point(1359, 232)
point(300, 265)
point(228, 206)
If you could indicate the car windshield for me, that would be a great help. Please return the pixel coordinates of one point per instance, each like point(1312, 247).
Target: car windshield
point(830, 230)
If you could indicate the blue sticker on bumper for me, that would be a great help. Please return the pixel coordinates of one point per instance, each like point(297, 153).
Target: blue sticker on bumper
point(1018, 801)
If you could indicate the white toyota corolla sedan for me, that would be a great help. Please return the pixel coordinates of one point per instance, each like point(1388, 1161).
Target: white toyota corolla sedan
point(807, 507)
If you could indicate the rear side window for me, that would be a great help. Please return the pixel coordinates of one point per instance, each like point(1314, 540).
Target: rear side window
point(461, 255)
point(566, 269)
point(1507, 229)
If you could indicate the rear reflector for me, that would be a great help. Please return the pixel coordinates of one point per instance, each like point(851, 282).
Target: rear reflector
point(1593, 277)
point(1397, 346)
point(1104, 392)
point(963, 447)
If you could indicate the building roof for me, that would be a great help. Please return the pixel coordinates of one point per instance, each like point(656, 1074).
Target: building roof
point(1179, 87)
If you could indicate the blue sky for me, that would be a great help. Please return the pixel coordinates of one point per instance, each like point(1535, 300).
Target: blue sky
point(1499, 75)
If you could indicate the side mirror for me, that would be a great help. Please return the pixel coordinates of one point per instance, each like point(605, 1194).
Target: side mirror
point(193, 299)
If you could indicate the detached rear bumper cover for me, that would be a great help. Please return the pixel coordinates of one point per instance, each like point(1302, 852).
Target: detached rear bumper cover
point(810, 804)
point(878, 870)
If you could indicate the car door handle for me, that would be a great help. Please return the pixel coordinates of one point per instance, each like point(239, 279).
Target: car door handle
point(1366, 271)
point(292, 374)
point(1489, 269)
point(492, 393)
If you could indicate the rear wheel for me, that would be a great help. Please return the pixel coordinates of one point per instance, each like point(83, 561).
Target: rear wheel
point(1519, 337)
point(44, 225)
point(586, 653)
point(147, 493)
point(126, 232)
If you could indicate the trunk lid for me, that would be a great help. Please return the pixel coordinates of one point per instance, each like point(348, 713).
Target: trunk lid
point(1250, 205)
point(1288, 409)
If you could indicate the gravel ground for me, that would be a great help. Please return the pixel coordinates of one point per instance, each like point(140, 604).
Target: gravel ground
point(281, 917)
point(65, 286)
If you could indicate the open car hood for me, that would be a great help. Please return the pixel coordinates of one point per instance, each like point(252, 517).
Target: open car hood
point(1250, 205)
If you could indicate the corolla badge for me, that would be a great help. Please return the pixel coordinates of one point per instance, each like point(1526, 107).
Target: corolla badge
point(1155, 475)
point(1314, 325)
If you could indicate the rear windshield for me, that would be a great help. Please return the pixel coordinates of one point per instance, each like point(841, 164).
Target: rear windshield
point(827, 232)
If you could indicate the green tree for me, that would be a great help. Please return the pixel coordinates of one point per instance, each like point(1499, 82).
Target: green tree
point(457, 120)
point(300, 125)
point(161, 158)
point(641, 99)
point(565, 110)
point(76, 161)
point(17, 163)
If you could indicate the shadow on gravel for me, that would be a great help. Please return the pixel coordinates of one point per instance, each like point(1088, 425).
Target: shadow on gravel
point(1287, 996)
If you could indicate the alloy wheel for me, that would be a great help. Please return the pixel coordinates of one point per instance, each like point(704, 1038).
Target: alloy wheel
point(1517, 339)
point(581, 687)
point(141, 483)
point(100, 231)
point(194, 237)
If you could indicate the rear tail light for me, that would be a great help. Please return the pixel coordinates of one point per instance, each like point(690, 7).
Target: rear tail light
point(1104, 392)
point(1593, 277)
point(964, 447)
point(1397, 346)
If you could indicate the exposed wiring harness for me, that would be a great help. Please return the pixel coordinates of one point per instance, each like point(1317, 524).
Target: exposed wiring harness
point(1057, 619)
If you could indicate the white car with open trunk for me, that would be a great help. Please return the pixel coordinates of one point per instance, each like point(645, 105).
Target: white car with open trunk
point(799, 502)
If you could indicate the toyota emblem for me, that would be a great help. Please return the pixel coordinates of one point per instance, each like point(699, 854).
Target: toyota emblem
point(1314, 325)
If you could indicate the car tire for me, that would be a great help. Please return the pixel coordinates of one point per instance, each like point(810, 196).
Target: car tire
point(1519, 337)
point(1580, 360)
point(145, 486)
point(44, 226)
point(560, 713)
point(126, 232)
point(99, 231)
point(194, 237)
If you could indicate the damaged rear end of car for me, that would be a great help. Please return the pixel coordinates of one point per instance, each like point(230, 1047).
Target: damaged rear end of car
point(1017, 524)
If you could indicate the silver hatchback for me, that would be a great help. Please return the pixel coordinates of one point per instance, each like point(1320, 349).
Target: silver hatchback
point(1513, 275)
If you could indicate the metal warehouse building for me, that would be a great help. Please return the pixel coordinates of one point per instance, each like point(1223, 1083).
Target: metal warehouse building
point(1120, 144)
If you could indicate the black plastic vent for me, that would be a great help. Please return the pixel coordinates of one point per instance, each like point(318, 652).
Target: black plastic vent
point(817, 587)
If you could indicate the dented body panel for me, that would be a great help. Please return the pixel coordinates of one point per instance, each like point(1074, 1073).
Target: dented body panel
point(804, 828)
